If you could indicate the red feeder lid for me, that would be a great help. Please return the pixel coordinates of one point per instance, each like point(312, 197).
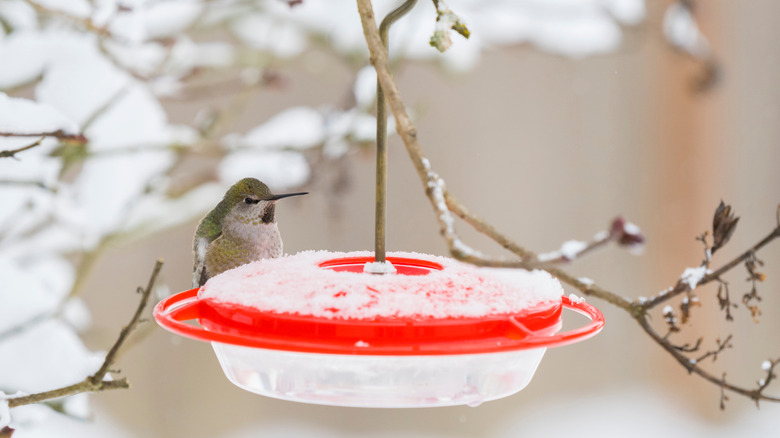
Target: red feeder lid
point(249, 327)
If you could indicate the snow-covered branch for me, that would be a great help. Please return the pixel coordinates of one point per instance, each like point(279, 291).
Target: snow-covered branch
point(444, 204)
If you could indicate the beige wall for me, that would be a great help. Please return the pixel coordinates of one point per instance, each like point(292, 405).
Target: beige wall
point(548, 149)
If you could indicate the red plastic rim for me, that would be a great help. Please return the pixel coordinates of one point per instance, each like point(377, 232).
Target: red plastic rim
point(240, 326)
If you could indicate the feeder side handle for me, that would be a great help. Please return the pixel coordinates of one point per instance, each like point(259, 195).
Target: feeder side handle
point(531, 339)
point(172, 311)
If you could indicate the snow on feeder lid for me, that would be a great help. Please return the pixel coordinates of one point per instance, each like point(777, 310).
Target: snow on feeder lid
point(315, 328)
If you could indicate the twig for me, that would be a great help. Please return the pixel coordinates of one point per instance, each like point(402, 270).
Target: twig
point(692, 367)
point(39, 184)
point(97, 381)
point(12, 152)
point(87, 23)
point(620, 231)
point(60, 134)
point(722, 345)
point(688, 348)
point(681, 286)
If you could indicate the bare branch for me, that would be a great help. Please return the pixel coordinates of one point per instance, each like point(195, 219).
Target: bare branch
point(724, 301)
point(444, 204)
point(12, 152)
point(86, 23)
point(721, 345)
point(59, 134)
point(97, 381)
point(39, 184)
point(442, 201)
point(692, 366)
point(620, 231)
point(688, 348)
point(681, 286)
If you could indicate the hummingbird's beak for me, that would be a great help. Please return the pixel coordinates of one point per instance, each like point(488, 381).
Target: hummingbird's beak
point(286, 195)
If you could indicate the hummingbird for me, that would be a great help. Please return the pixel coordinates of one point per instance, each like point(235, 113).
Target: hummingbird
point(239, 230)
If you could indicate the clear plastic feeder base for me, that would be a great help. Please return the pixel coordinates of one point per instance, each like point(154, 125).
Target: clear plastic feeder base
point(379, 381)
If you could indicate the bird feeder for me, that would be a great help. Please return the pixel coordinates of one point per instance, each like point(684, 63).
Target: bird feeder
point(325, 328)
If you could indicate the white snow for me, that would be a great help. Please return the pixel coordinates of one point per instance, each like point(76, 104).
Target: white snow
point(77, 89)
point(568, 250)
point(365, 87)
point(296, 284)
point(73, 8)
point(682, 31)
point(571, 248)
point(156, 212)
point(571, 28)
point(278, 169)
point(37, 421)
point(5, 411)
point(266, 32)
point(78, 406)
point(585, 280)
point(446, 19)
point(630, 228)
point(58, 358)
point(31, 290)
point(630, 13)
point(19, 14)
point(26, 117)
point(766, 365)
point(362, 344)
point(575, 299)
point(379, 268)
point(22, 50)
point(297, 128)
point(667, 310)
point(692, 276)
point(76, 313)
point(162, 19)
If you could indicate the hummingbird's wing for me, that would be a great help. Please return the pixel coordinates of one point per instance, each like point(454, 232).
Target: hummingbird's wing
point(208, 231)
point(199, 274)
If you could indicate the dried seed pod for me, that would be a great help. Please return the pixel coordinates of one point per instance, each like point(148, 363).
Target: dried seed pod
point(723, 225)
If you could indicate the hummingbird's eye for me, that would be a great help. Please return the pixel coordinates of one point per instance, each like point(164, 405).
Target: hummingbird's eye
point(251, 201)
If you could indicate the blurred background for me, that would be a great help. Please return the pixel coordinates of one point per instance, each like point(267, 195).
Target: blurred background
point(552, 119)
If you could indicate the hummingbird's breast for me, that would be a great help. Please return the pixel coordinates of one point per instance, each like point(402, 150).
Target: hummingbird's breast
point(243, 243)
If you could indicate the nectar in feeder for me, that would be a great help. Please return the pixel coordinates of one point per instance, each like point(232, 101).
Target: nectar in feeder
point(315, 328)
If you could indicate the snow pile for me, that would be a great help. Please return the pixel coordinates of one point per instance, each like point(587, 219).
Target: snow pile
point(23, 116)
point(574, 28)
point(5, 412)
point(681, 30)
point(692, 276)
point(569, 250)
point(297, 285)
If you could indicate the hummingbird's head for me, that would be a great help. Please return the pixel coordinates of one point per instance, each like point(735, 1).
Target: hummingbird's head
point(252, 201)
